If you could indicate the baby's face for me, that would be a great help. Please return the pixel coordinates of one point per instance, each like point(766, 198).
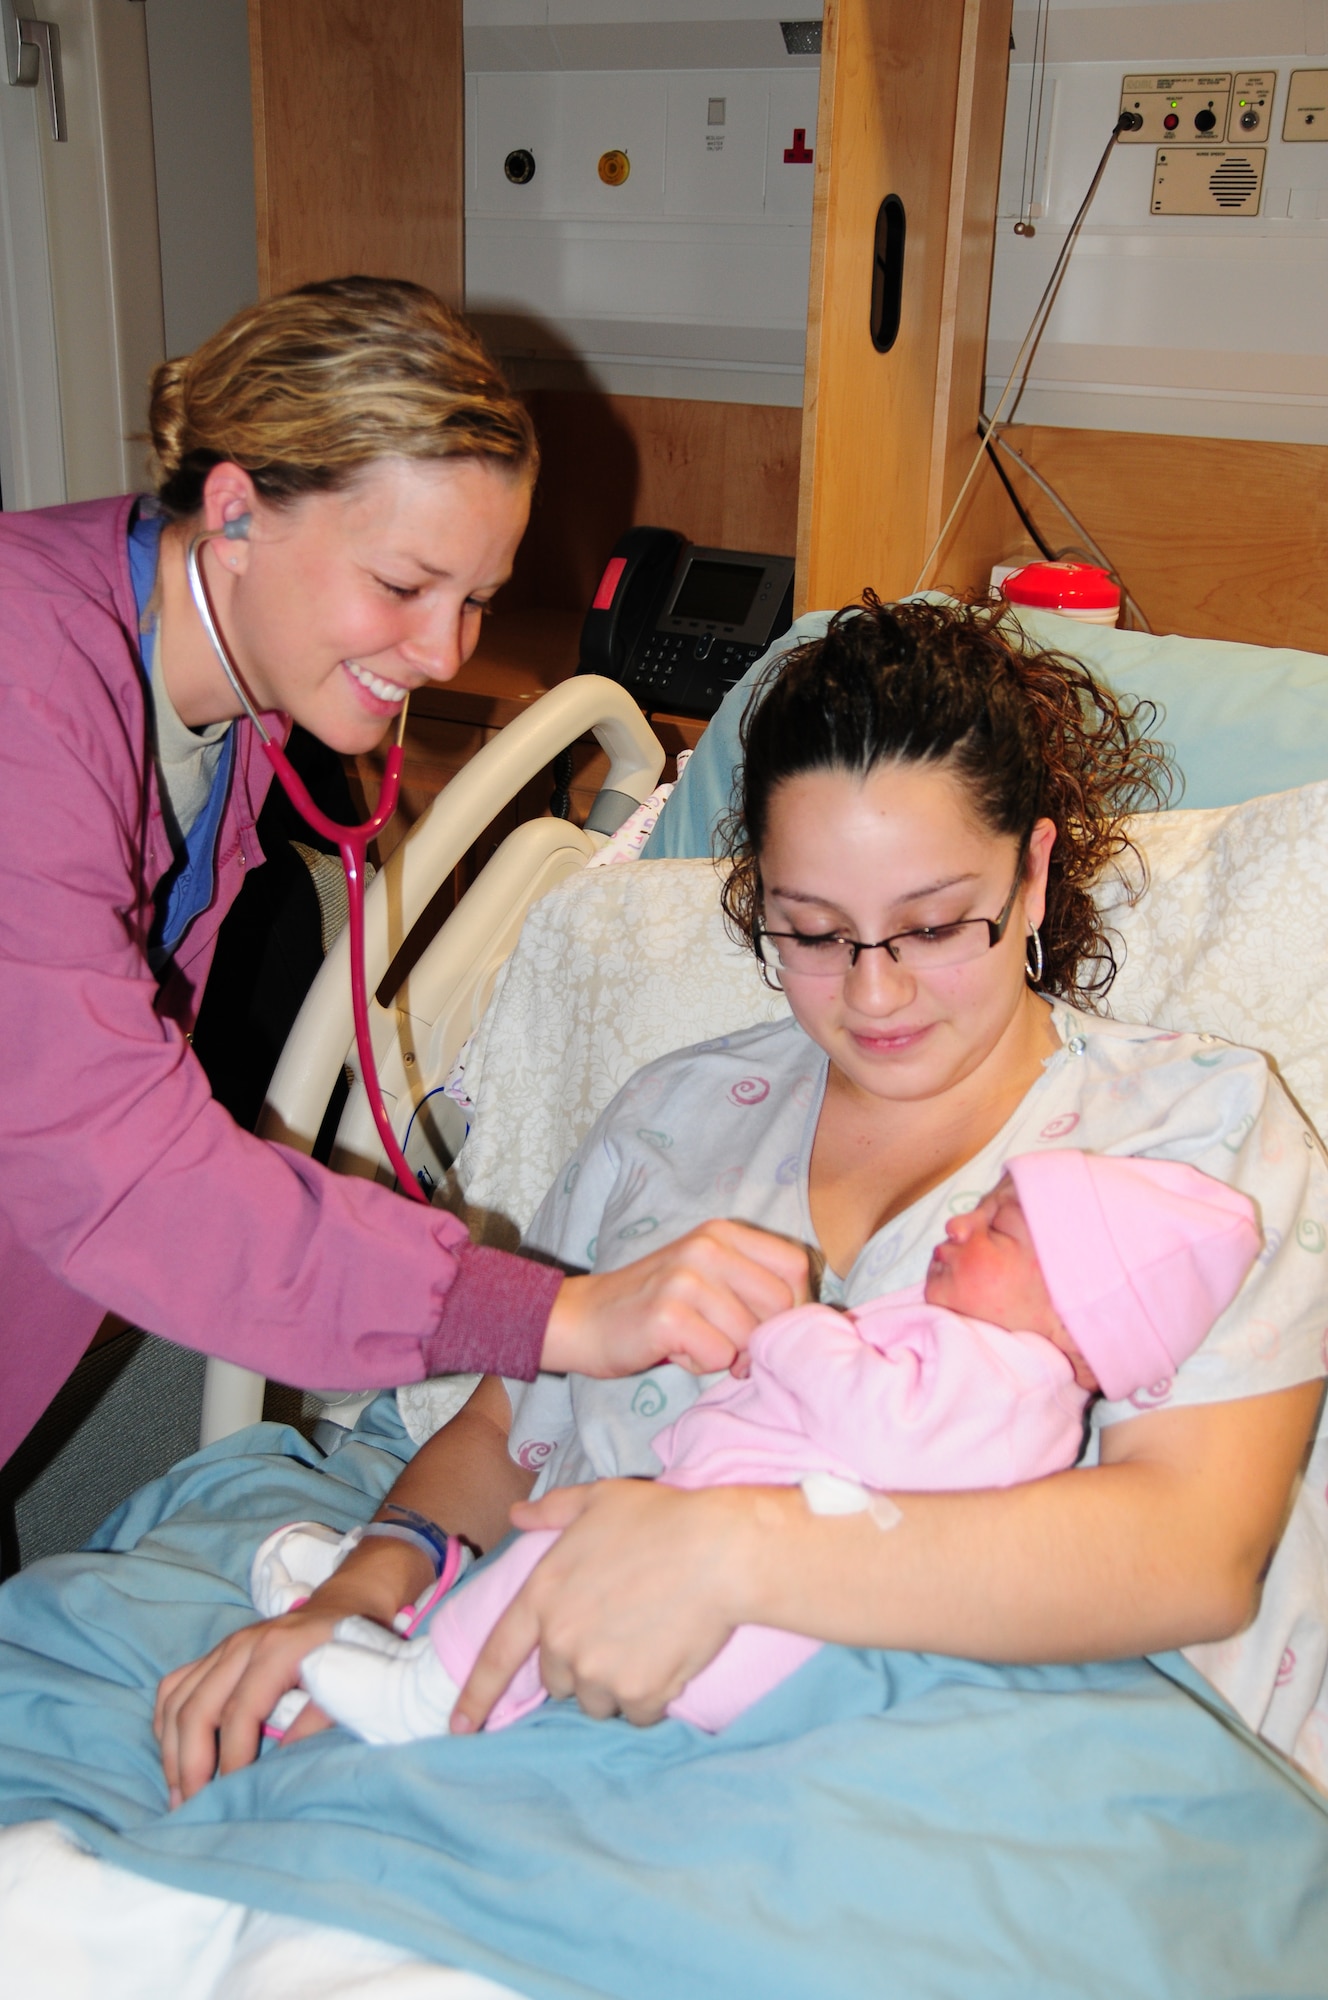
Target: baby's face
point(987, 1269)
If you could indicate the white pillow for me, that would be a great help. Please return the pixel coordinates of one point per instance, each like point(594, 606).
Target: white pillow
point(1231, 936)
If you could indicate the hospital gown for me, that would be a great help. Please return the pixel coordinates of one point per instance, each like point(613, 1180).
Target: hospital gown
point(726, 1129)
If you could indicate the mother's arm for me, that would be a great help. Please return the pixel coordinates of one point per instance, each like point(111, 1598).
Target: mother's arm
point(209, 1713)
point(1163, 1544)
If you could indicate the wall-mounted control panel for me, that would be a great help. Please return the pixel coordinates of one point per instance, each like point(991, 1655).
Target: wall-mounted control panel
point(1196, 303)
point(1177, 110)
point(1207, 129)
point(1208, 180)
point(1306, 114)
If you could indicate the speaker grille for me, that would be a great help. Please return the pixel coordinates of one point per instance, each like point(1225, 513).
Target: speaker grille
point(1234, 183)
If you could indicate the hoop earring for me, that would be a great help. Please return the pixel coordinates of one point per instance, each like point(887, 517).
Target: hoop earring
point(1033, 966)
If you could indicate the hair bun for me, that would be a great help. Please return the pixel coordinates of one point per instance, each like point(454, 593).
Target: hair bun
point(166, 416)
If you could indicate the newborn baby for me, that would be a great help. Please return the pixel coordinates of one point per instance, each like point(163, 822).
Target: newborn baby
point(1076, 1274)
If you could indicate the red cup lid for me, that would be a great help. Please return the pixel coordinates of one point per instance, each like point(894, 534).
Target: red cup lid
point(1062, 586)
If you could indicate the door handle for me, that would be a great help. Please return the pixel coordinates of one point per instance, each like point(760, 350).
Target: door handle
point(887, 287)
point(32, 49)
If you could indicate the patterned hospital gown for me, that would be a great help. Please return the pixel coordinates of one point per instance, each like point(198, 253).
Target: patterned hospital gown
point(726, 1128)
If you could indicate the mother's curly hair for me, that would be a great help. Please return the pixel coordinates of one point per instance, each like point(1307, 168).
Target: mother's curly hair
point(1029, 735)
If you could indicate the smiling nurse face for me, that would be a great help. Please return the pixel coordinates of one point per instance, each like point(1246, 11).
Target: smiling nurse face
point(338, 606)
point(901, 849)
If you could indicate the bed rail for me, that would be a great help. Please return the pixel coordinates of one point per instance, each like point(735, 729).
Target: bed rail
point(417, 1036)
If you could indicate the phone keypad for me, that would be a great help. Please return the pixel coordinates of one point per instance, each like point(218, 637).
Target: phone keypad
point(692, 675)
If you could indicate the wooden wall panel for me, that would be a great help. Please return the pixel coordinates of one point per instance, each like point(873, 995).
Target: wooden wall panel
point(720, 473)
point(358, 140)
point(1221, 538)
point(911, 99)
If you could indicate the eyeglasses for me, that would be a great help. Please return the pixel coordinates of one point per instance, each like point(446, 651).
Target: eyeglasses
point(832, 956)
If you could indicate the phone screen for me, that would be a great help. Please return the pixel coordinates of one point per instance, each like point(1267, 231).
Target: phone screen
point(720, 593)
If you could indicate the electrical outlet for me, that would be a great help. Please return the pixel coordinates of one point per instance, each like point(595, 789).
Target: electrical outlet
point(1305, 119)
point(1177, 110)
point(1207, 180)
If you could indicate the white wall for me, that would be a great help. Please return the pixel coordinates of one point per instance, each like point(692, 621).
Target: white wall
point(689, 280)
point(1205, 326)
point(202, 129)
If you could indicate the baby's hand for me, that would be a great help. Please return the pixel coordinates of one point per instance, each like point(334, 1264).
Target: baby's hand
point(742, 1366)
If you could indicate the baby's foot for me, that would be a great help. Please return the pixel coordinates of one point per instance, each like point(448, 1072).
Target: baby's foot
point(384, 1689)
point(291, 1564)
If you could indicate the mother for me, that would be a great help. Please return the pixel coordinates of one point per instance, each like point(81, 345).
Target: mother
point(372, 473)
point(924, 808)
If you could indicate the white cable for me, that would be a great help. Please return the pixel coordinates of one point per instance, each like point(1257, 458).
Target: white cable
point(1024, 358)
point(1001, 442)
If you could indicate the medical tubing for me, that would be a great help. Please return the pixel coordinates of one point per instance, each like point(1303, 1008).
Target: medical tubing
point(996, 440)
point(352, 843)
point(1028, 346)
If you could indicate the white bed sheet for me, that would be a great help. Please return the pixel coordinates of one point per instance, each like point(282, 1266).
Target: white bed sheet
point(74, 1928)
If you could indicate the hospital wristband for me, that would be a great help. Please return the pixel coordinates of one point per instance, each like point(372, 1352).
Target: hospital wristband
point(433, 1546)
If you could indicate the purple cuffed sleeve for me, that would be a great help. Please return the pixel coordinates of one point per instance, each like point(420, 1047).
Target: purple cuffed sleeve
point(494, 1315)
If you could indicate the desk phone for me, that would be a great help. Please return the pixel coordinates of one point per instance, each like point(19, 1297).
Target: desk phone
point(678, 624)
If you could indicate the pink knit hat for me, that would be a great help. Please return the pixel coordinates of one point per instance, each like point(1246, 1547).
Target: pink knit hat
point(1139, 1256)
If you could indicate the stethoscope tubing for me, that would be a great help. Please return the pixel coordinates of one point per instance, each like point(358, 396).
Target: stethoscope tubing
point(351, 843)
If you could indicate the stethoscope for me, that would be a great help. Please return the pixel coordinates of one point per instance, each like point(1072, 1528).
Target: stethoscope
point(351, 841)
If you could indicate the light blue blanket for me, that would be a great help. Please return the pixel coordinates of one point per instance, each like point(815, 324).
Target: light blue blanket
point(883, 1825)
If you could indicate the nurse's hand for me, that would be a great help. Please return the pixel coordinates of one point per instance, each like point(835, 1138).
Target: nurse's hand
point(640, 1591)
point(697, 1302)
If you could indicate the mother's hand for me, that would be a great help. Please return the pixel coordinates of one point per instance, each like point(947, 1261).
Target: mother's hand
point(639, 1593)
point(209, 1714)
point(697, 1302)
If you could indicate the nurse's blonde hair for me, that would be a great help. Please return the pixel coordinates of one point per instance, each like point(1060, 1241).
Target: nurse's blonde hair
point(308, 389)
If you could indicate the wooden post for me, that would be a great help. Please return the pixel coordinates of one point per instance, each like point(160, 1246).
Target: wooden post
point(359, 148)
point(912, 104)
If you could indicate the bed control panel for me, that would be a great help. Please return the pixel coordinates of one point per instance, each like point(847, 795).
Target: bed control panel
point(678, 625)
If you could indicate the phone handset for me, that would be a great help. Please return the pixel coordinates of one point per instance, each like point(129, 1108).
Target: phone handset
point(628, 598)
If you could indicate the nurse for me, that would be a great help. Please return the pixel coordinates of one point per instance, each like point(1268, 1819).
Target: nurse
point(386, 472)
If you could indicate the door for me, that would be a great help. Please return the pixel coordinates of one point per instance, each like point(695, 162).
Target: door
point(32, 472)
point(80, 270)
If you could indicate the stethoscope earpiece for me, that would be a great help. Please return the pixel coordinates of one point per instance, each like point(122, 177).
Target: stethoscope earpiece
point(238, 529)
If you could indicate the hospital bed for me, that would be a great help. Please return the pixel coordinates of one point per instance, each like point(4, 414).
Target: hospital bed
point(420, 1028)
point(558, 1017)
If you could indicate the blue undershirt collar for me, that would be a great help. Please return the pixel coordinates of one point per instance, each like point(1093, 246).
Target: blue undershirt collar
point(186, 889)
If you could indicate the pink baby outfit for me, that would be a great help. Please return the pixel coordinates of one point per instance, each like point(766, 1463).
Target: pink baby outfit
point(123, 1185)
point(1139, 1257)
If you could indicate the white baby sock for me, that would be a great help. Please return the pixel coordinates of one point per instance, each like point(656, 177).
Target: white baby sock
point(290, 1565)
point(383, 1688)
